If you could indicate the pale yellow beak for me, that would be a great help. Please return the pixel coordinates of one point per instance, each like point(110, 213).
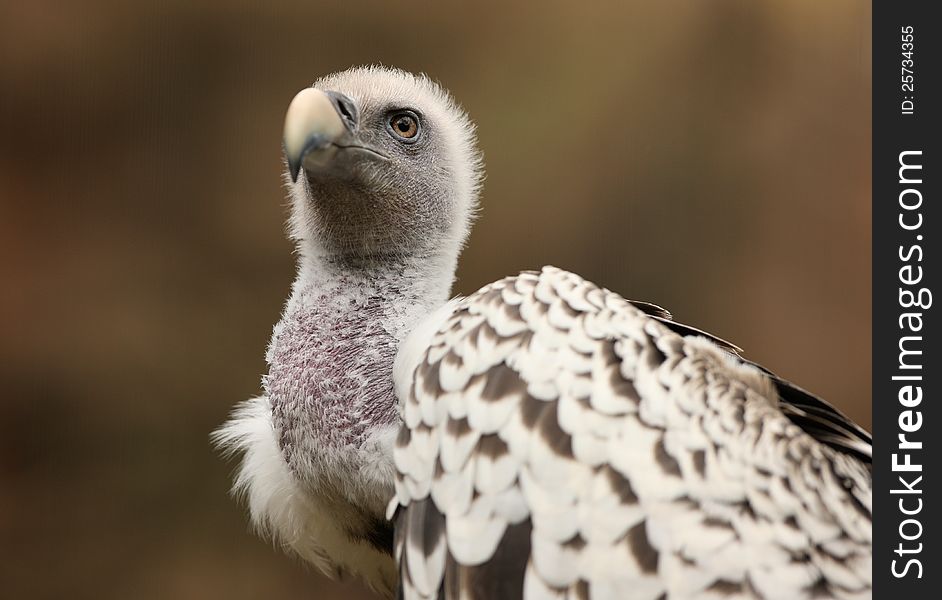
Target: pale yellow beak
point(312, 128)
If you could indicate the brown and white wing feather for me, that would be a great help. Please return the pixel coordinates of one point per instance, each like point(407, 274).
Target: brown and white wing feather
point(562, 442)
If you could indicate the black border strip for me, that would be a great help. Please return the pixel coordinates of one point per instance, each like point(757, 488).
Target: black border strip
point(906, 367)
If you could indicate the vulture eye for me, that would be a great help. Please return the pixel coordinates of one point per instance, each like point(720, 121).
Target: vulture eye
point(405, 126)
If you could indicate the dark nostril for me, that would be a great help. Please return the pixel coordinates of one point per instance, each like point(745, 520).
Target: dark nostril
point(345, 107)
point(345, 110)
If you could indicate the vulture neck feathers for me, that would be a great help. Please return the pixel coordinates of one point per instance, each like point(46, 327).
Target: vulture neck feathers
point(331, 356)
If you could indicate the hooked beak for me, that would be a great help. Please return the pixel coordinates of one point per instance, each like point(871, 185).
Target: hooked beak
point(317, 125)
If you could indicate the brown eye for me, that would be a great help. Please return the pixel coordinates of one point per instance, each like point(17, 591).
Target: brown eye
point(405, 126)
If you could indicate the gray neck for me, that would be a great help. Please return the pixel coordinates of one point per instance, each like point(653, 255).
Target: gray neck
point(331, 355)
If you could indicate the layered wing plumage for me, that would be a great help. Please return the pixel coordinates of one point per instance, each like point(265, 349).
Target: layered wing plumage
point(562, 442)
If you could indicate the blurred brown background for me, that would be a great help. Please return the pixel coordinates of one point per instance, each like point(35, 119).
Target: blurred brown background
point(713, 157)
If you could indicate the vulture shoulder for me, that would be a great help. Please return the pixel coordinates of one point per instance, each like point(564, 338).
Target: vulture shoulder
point(560, 441)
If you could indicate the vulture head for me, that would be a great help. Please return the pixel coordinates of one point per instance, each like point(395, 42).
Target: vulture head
point(382, 163)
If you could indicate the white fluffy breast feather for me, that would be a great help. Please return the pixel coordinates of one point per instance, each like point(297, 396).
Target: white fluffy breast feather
point(304, 523)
